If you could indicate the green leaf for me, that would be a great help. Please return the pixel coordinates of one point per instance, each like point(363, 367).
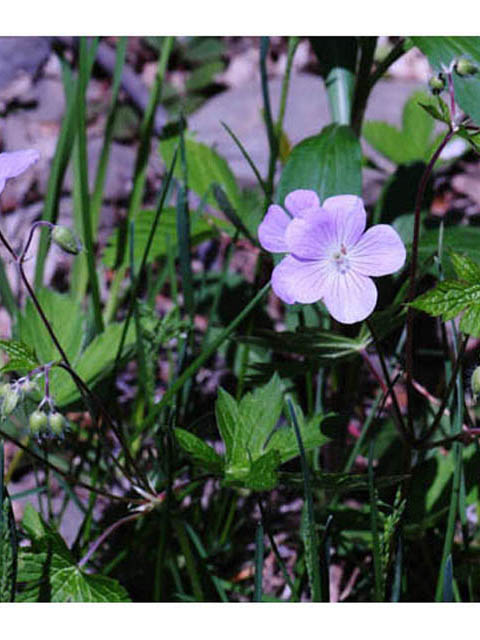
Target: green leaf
point(337, 57)
point(414, 141)
point(202, 453)
point(94, 364)
point(201, 228)
point(465, 268)
point(8, 546)
point(328, 163)
point(448, 299)
point(457, 238)
point(263, 475)
point(205, 166)
point(442, 50)
point(21, 356)
point(50, 573)
point(66, 319)
point(227, 415)
point(285, 442)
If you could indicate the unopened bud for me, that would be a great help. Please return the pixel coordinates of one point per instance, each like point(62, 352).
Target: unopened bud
point(465, 67)
point(66, 239)
point(437, 83)
point(475, 383)
point(38, 421)
point(10, 401)
point(56, 422)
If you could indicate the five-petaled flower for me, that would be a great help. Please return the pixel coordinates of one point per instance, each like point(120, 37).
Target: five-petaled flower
point(330, 255)
point(13, 163)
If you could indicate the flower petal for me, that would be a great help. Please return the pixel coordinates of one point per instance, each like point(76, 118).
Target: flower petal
point(271, 231)
point(379, 251)
point(298, 201)
point(351, 217)
point(312, 237)
point(350, 297)
point(13, 163)
point(300, 280)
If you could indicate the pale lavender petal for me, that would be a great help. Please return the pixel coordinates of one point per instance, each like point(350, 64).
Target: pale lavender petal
point(350, 297)
point(13, 163)
point(312, 237)
point(297, 202)
point(300, 280)
point(379, 251)
point(271, 231)
point(351, 217)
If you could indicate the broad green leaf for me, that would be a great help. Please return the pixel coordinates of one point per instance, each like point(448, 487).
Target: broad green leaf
point(442, 50)
point(21, 356)
point(261, 410)
point(202, 453)
point(201, 228)
point(328, 163)
point(447, 299)
point(49, 571)
point(94, 364)
point(457, 238)
point(8, 547)
point(205, 167)
point(263, 475)
point(67, 320)
point(451, 297)
point(410, 144)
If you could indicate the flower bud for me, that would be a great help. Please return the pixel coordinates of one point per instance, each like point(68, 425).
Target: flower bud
point(10, 401)
point(465, 67)
point(475, 383)
point(437, 84)
point(28, 386)
point(38, 421)
point(66, 239)
point(56, 422)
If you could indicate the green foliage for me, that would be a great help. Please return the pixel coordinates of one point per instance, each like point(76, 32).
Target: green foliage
point(414, 142)
point(254, 447)
point(329, 163)
point(21, 357)
point(205, 167)
point(451, 297)
point(202, 227)
point(49, 571)
point(442, 50)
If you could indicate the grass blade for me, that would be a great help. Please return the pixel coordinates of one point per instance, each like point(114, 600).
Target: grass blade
point(81, 149)
point(311, 539)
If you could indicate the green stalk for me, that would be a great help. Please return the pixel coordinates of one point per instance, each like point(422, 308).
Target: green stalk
point(83, 175)
point(311, 539)
point(80, 272)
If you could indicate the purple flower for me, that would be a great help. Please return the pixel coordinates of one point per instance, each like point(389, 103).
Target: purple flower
point(331, 256)
point(13, 163)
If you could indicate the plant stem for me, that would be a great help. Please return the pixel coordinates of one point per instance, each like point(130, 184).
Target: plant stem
point(413, 270)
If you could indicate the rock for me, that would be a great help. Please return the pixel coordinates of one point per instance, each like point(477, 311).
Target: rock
point(20, 59)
